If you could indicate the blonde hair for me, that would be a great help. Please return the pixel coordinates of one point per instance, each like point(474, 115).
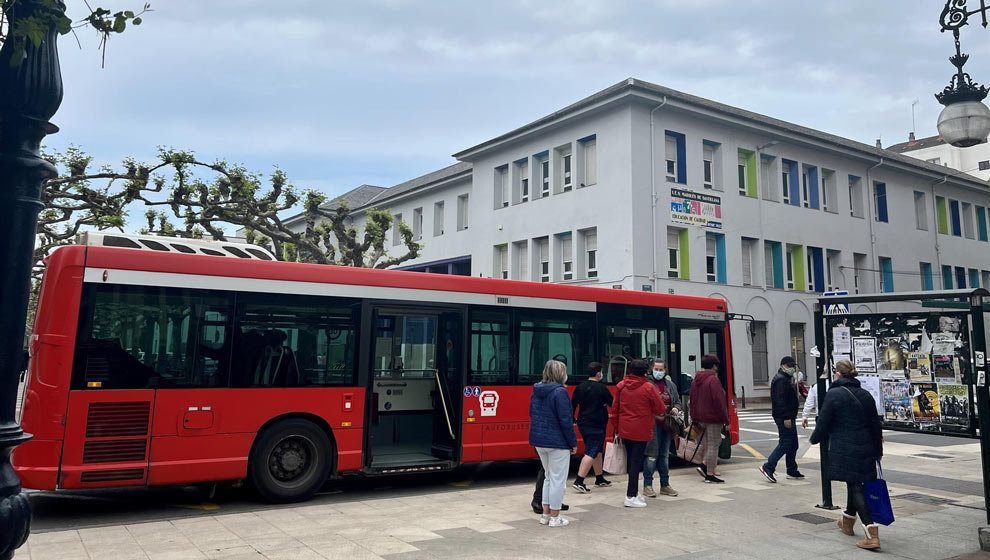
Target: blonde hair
point(555, 372)
point(845, 368)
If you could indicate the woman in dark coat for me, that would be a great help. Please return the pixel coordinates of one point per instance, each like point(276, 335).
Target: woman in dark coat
point(849, 423)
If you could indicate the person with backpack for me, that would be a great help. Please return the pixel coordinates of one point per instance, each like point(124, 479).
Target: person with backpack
point(710, 409)
point(658, 450)
point(636, 404)
point(849, 424)
point(551, 432)
point(784, 401)
point(590, 401)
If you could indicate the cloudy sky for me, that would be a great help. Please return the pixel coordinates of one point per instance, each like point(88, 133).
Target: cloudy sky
point(338, 93)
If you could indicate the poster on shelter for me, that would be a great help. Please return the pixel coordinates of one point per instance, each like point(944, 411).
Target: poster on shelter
point(919, 367)
point(841, 340)
point(695, 209)
point(865, 354)
point(924, 402)
point(954, 404)
point(944, 344)
point(897, 401)
point(872, 385)
point(945, 368)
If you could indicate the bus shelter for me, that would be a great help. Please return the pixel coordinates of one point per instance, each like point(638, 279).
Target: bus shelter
point(923, 357)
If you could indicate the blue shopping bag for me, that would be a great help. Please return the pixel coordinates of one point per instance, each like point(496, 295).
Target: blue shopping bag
point(878, 499)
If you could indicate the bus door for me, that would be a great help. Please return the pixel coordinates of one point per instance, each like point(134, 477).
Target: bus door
point(415, 378)
point(690, 340)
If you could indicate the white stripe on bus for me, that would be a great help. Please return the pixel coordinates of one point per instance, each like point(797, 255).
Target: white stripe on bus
point(269, 286)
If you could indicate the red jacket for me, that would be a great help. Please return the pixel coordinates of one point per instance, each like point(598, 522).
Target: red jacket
point(636, 403)
point(708, 399)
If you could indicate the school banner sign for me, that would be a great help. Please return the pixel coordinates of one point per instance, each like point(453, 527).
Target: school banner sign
point(695, 209)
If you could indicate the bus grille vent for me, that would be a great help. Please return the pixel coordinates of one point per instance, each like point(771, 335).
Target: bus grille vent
point(97, 368)
point(110, 476)
point(502, 300)
point(114, 451)
point(118, 419)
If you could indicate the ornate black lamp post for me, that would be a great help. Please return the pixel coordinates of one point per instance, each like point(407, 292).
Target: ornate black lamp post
point(30, 94)
point(965, 121)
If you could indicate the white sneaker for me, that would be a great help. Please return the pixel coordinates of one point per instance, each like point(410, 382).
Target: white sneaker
point(640, 499)
point(636, 502)
point(544, 519)
point(559, 521)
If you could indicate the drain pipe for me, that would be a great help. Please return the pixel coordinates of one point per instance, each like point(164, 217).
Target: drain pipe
point(873, 218)
point(653, 192)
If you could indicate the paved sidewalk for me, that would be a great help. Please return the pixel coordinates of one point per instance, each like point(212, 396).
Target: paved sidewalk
point(747, 518)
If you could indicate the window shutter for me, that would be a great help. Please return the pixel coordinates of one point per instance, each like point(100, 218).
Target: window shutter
point(747, 264)
point(591, 241)
point(591, 162)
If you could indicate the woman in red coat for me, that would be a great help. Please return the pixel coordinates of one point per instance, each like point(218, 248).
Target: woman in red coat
point(710, 409)
point(636, 403)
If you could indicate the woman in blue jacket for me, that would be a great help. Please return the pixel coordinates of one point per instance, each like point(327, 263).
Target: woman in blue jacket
point(551, 432)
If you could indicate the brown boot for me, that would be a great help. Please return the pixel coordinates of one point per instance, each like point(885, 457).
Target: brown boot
point(846, 523)
point(872, 540)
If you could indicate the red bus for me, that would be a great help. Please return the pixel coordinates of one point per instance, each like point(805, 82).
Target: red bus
point(154, 368)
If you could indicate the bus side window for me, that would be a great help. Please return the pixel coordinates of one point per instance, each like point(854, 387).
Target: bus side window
point(567, 336)
point(489, 361)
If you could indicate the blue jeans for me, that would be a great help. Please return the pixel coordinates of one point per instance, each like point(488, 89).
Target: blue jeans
point(660, 462)
point(787, 447)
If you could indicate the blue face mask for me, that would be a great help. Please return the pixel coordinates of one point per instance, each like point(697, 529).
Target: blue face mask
point(658, 375)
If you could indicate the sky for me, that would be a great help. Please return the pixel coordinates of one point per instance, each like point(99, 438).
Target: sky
point(338, 93)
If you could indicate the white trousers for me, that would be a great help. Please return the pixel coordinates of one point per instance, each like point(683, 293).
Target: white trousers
point(556, 463)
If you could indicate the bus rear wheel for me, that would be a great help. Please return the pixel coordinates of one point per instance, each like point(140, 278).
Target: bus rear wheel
point(290, 461)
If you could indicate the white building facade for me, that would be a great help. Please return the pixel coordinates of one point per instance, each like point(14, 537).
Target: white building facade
point(974, 160)
point(641, 187)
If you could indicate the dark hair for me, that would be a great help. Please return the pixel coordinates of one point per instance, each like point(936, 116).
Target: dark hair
point(638, 367)
point(787, 361)
point(594, 368)
point(708, 361)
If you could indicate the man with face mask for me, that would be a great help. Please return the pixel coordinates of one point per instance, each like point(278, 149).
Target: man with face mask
point(658, 450)
point(784, 400)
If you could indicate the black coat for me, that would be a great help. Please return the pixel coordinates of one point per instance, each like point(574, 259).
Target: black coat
point(783, 396)
point(852, 431)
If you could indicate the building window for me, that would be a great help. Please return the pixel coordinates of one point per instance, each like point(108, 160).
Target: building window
point(805, 191)
point(981, 223)
point(974, 278)
point(677, 253)
point(501, 186)
point(766, 177)
point(523, 180)
point(790, 182)
point(520, 260)
point(920, 211)
point(960, 278)
point(567, 184)
point(985, 278)
point(748, 248)
point(563, 179)
point(761, 363)
point(816, 269)
point(674, 156)
point(880, 201)
point(946, 277)
point(590, 146)
point(396, 232)
point(927, 282)
point(591, 252)
point(418, 223)
point(438, 219)
point(954, 218)
point(795, 268)
point(785, 181)
point(797, 345)
point(984, 165)
point(942, 215)
point(886, 275)
point(830, 197)
point(855, 197)
point(832, 270)
point(501, 262)
point(543, 251)
point(462, 212)
point(708, 164)
point(967, 221)
point(544, 177)
point(746, 173)
point(566, 245)
point(773, 263)
point(711, 258)
point(859, 264)
point(935, 161)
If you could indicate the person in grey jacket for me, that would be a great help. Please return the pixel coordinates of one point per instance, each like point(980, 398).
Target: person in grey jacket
point(658, 450)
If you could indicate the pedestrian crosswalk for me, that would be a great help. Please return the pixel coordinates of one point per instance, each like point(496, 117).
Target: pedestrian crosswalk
point(764, 417)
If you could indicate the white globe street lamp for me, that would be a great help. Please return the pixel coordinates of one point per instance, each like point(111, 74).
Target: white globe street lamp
point(965, 121)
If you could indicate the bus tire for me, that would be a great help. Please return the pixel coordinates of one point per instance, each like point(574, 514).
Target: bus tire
point(290, 461)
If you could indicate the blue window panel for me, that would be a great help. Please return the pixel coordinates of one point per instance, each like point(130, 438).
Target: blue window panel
point(981, 222)
point(720, 258)
point(946, 277)
point(974, 278)
point(880, 191)
point(887, 269)
point(680, 139)
point(927, 282)
point(818, 266)
point(778, 265)
point(954, 217)
point(813, 190)
point(960, 278)
point(794, 178)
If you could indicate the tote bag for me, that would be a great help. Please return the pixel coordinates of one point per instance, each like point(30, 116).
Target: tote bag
point(688, 448)
point(615, 457)
point(878, 499)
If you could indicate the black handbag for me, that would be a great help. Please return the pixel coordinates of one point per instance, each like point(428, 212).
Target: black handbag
point(725, 448)
point(673, 425)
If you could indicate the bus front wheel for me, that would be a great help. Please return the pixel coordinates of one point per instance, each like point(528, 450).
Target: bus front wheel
point(290, 461)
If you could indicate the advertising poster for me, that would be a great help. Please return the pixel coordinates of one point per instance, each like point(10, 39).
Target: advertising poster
point(842, 340)
point(954, 404)
point(872, 385)
point(944, 368)
point(944, 344)
point(924, 402)
point(865, 354)
point(894, 356)
point(897, 401)
point(919, 367)
point(695, 209)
